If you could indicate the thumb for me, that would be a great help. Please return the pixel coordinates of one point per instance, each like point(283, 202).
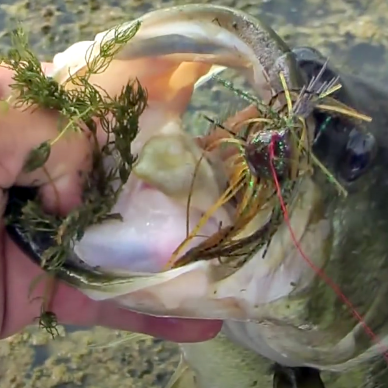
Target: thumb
point(21, 131)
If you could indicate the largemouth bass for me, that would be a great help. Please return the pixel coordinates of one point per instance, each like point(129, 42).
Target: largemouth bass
point(276, 308)
point(223, 363)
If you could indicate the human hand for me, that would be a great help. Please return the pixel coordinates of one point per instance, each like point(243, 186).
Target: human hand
point(20, 132)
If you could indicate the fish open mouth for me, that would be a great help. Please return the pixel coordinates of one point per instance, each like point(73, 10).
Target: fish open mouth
point(197, 216)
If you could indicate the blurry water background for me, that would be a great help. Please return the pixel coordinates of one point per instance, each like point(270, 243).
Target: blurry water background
point(353, 33)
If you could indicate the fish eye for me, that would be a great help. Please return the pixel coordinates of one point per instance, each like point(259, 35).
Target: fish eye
point(358, 155)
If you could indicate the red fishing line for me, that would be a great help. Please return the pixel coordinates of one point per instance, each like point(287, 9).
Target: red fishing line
point(316, 269)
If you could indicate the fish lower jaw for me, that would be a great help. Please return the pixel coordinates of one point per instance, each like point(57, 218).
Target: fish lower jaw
point(153, 227)
point(192, 291)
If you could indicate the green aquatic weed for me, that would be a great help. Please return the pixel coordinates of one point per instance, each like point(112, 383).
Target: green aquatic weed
point(87, 104)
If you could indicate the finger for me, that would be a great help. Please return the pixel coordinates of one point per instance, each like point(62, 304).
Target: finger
point(72, 307)
point(70, 158)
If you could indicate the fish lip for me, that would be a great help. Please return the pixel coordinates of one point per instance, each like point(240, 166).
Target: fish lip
point(32, 246)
